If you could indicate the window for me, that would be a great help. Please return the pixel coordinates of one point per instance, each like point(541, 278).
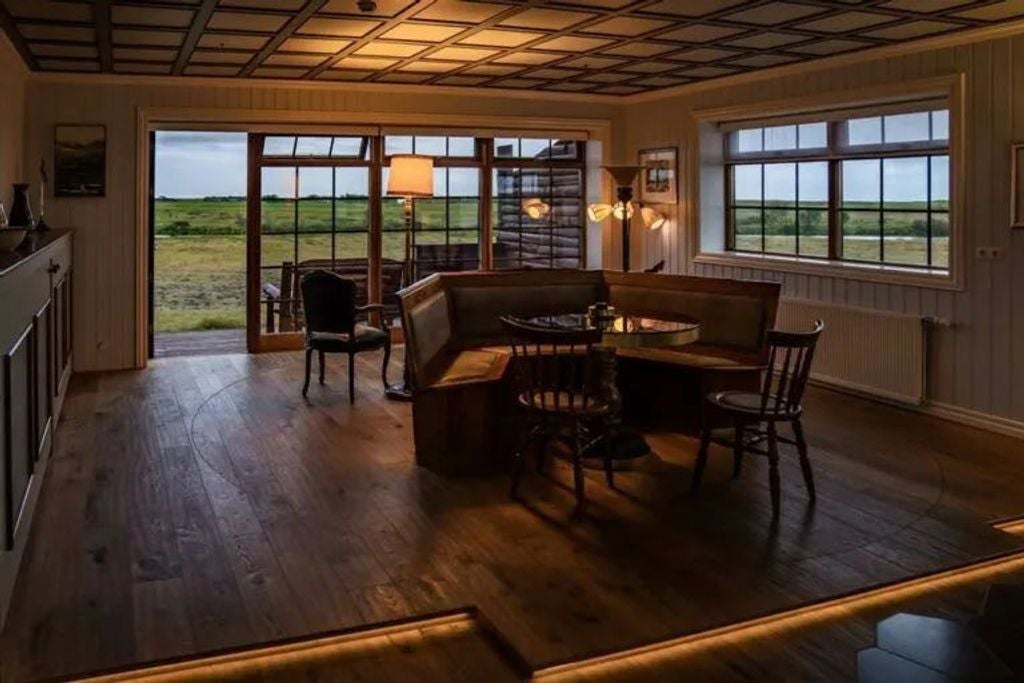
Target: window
point(538, 203)
point(445, 227)
point(863, 188)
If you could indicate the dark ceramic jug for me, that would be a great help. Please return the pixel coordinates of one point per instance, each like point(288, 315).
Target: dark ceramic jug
point(21, 211)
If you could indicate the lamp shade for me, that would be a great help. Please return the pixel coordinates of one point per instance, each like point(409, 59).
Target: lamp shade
point(411, 175)
point(536, 208)
point(651, 218)
point(624, 175)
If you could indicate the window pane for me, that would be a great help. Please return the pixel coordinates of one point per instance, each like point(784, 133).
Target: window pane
point(813, 135)
point(906, 127)
point(431, 146)
point(564, 149)
point(279, 146)
point(312, 147)
point(277, 213)
point(463, 182)
point(530, 148)
point(349, 147)
point(813, 226)
point(506, 148)
point(862, 236)
point(746, 186)
point(940, 240)
point(905, 183)
point(747, 224)
point(397, 144)
point(864, 131)
point(780, 231)
point(940, 183)
point(461, 147)
point(940, 124)
point(780, 184)
point(549, 240)
point(813, 184)
point(352, 199)
point(315, 199)
point(440, 182)
point(748, 140)
point(861, 183)
point(906, 238)
point(780, 137)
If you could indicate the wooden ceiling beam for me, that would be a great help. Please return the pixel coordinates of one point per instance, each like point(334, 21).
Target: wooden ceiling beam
point(7, 21)
point(297, 20)
point(195, 32)
point(104, 39)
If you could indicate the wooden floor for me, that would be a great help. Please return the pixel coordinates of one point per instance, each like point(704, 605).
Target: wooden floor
point(202, 504)
point(205, 343)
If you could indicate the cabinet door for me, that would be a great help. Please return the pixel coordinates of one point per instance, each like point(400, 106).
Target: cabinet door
point(61, 341)
point(42, 353)
point(19, 446)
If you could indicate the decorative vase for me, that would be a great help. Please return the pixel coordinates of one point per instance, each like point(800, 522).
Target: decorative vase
point(21, 210)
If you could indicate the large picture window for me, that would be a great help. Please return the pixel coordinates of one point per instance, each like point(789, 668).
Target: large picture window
point(863, 187)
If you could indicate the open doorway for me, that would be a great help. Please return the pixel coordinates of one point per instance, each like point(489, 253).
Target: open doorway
point(198, 257)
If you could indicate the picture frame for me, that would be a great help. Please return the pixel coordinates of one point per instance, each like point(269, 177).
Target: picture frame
point(659, 175)
point(80, 160)
point(1017, 185)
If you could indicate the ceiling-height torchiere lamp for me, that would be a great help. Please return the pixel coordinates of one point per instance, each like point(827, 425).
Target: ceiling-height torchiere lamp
point(623, 209)
point(410, 176)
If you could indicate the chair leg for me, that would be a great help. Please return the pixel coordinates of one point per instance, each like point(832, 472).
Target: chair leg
point(351, 378)
point(805, 462)
point(384, 366)
point(577, 468)
point(321, 353)
point(702, 458)
point(773, 470)
point(738, 445)
point(309, 363)
point(609, 465)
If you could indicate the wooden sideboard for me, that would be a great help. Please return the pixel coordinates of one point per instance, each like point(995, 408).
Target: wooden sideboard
point(35, 367)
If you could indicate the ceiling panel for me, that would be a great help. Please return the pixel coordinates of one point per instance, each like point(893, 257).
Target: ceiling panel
point(612, 47)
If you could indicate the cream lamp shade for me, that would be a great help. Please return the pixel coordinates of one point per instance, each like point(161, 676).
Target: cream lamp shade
point(652, 219)
point(598, 212)
point(536, 208)
point(411, 175)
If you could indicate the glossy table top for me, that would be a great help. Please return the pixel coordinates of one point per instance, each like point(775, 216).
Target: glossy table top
point(623, 329)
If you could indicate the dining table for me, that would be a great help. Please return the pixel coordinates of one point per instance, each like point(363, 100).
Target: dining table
point(619, 329)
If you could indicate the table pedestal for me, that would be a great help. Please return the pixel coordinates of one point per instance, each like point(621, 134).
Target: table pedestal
point(626, 444)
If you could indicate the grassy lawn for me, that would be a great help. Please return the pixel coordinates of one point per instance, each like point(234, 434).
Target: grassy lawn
point(200, 249)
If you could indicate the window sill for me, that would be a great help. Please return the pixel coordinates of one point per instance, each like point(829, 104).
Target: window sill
point(888, 274)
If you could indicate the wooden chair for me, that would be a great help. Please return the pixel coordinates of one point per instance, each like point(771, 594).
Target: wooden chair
point(779, 400)
point(558, 389)
point(330, 312)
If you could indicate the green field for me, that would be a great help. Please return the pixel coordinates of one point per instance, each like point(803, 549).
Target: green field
point(200, 243)
point(200, 249)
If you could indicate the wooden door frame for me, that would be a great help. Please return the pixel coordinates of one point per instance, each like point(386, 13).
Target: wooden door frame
point(149, 119)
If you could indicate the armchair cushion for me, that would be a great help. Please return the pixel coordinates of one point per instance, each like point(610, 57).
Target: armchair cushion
point(364, 339)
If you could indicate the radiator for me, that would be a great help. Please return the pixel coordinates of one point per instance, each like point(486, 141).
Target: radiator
point(864, 350)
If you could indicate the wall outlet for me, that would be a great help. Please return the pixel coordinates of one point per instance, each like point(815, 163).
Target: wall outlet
point(988, 253)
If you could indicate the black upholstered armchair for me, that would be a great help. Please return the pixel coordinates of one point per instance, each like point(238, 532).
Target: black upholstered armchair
point(329, 304)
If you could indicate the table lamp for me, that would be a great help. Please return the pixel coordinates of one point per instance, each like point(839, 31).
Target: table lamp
point(624, 208)
point(410, 176)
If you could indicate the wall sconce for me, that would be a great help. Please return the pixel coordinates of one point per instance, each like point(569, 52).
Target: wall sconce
point(536, 208)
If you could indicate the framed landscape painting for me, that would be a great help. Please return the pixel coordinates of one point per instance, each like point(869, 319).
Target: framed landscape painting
point(80, 168)
point(658, 176)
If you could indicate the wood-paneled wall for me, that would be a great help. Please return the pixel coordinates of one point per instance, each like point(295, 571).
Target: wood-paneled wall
point(978, 364)
point(13, 75)
point(105, 242)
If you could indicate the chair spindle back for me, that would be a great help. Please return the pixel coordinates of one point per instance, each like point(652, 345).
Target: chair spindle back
point(789, 367)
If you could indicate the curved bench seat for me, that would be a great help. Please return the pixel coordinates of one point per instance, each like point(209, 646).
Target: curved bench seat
point(458, 357)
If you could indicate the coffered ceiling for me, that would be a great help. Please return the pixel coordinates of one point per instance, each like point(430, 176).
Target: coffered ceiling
point(611, 47)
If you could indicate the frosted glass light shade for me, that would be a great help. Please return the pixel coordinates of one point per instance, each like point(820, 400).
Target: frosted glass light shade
point(411, 175)
point(536, 208)
point(598, 212)
point(651, 218)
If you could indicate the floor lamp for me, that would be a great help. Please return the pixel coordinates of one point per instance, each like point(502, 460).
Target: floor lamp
point(624, 207)
point(410, 176)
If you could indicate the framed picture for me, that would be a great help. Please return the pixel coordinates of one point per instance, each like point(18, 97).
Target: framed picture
point(80, 164)
point(659, 183)
point(1017, 186)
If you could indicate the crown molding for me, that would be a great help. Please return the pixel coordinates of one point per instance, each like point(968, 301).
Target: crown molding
point(78, 78)
point(994, 32)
